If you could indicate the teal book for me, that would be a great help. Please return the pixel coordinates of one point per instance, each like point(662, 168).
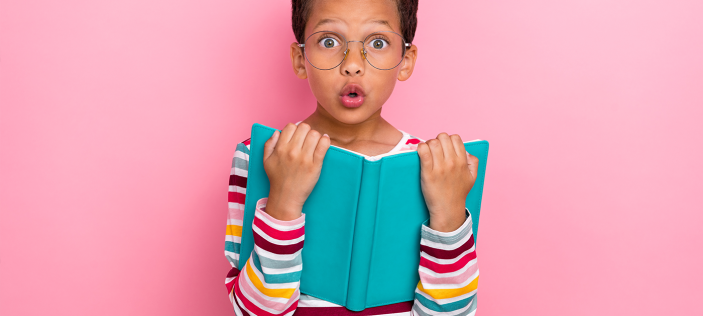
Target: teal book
point(362, 223)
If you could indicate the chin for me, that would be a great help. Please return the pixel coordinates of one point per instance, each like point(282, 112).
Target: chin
point(351, 116)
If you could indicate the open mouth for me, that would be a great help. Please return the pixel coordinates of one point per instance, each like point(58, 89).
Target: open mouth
point(352, 95)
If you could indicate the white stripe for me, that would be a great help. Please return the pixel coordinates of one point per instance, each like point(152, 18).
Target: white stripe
point(239, 172)
point(448, 274)
point(235, 205)
point(443, 286)
point(236, 222)
point(310, 301)
point(277, 241)
point(277, 226)
point(241, 154)
point(238, 189)
point(234, 239)
point(447, 261)
point(294, 268)
point(261, 252)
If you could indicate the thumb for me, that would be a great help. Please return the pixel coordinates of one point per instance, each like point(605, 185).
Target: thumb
point(473, 165)
point(270, 144)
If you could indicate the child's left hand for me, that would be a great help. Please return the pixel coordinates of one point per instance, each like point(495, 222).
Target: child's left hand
point(448, 174)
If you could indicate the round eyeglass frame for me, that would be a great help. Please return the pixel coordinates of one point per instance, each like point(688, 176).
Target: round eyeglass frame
point(346, 49)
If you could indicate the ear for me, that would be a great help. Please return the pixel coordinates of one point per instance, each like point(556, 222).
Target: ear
point(297, 59)
point(408, 63)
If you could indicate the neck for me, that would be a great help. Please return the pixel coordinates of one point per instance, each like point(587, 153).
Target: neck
point(343, 133)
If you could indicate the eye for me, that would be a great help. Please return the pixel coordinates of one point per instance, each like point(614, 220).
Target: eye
point(328, 42)
point(379, 43)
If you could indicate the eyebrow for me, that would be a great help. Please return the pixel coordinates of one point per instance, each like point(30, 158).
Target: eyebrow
point(333, 21)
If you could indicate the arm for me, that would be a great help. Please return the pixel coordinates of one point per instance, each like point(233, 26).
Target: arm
point(448, 271)
point(448, 268)
point(270, 279)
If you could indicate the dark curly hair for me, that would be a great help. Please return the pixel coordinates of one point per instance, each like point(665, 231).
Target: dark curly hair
point(407, 10)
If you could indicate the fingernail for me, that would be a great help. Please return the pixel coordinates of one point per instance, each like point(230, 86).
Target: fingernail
point(325, 135)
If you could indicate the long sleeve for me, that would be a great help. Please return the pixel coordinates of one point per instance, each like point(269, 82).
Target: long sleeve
point(269, 283)
point(448, 272)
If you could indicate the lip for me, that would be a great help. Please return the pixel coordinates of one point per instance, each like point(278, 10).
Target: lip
point(352, 102)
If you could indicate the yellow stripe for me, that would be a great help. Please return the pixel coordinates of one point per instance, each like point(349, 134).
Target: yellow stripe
point(284, 293)
point(439, 294)
point(234, 230)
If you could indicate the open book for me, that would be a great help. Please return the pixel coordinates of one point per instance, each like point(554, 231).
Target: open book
point(362, 223)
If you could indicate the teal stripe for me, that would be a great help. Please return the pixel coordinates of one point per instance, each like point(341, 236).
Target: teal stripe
point(469, 310)
point(444, 307)
point(279, 264)
point(276, 278)
point(232, 247)
point(239, 162)
point(235, 262)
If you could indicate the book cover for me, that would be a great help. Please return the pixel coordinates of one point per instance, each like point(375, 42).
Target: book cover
point(362, 225)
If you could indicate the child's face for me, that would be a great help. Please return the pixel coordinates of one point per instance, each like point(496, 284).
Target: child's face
point(354, 20)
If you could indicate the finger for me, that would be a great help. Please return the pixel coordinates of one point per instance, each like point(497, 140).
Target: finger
point(423, 150)
point(287, 133)
point(323, 144)
point(437, 153)
point(270, 144)
point(447, 146)
point(299, 135)
point(459, 148)
point(310, 143)
point(473, 164)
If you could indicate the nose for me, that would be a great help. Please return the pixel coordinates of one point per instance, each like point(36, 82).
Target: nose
point(353, 64)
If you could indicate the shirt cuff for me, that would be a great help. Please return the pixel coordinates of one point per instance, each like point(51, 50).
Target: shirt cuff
point(261, 209)
point(276, 236)
point(447, 238)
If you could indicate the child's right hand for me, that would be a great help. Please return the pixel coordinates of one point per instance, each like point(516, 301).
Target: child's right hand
point(293, 160)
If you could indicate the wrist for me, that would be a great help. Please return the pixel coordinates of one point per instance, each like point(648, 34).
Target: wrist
point(448, 222)
point(281, 208)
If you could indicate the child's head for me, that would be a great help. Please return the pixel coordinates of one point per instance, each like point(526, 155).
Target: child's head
point(324, 26)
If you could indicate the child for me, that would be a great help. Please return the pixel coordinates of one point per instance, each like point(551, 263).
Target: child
point(351, 53)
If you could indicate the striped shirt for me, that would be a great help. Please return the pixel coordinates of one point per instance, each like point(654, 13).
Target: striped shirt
point(269, 283)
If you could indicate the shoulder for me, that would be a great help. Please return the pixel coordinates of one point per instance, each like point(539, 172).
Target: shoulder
point(240, 161)
point(243, 147)
point(411, 142)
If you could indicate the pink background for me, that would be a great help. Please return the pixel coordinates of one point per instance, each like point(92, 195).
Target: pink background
point(119, 120)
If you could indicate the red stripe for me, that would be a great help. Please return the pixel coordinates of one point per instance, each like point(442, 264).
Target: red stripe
point(412, 141)
point(341, 311)
point(238, 180)
point(240, 306)
point(278, 234)
point(257, 311)
point(232, 273)
point(277, 249)
point(247, 141)
point(448, 254)
point(251, 307)
point(236, 197)
point(445, 268)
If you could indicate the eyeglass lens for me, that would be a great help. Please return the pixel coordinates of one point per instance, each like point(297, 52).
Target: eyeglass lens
point(383, 50)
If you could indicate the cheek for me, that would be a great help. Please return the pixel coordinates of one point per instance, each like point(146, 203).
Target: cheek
point(321, 84)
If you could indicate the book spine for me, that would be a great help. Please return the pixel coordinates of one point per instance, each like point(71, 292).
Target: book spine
point(363, 236)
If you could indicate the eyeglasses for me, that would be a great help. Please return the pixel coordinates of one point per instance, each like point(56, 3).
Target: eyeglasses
point(326, 50)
